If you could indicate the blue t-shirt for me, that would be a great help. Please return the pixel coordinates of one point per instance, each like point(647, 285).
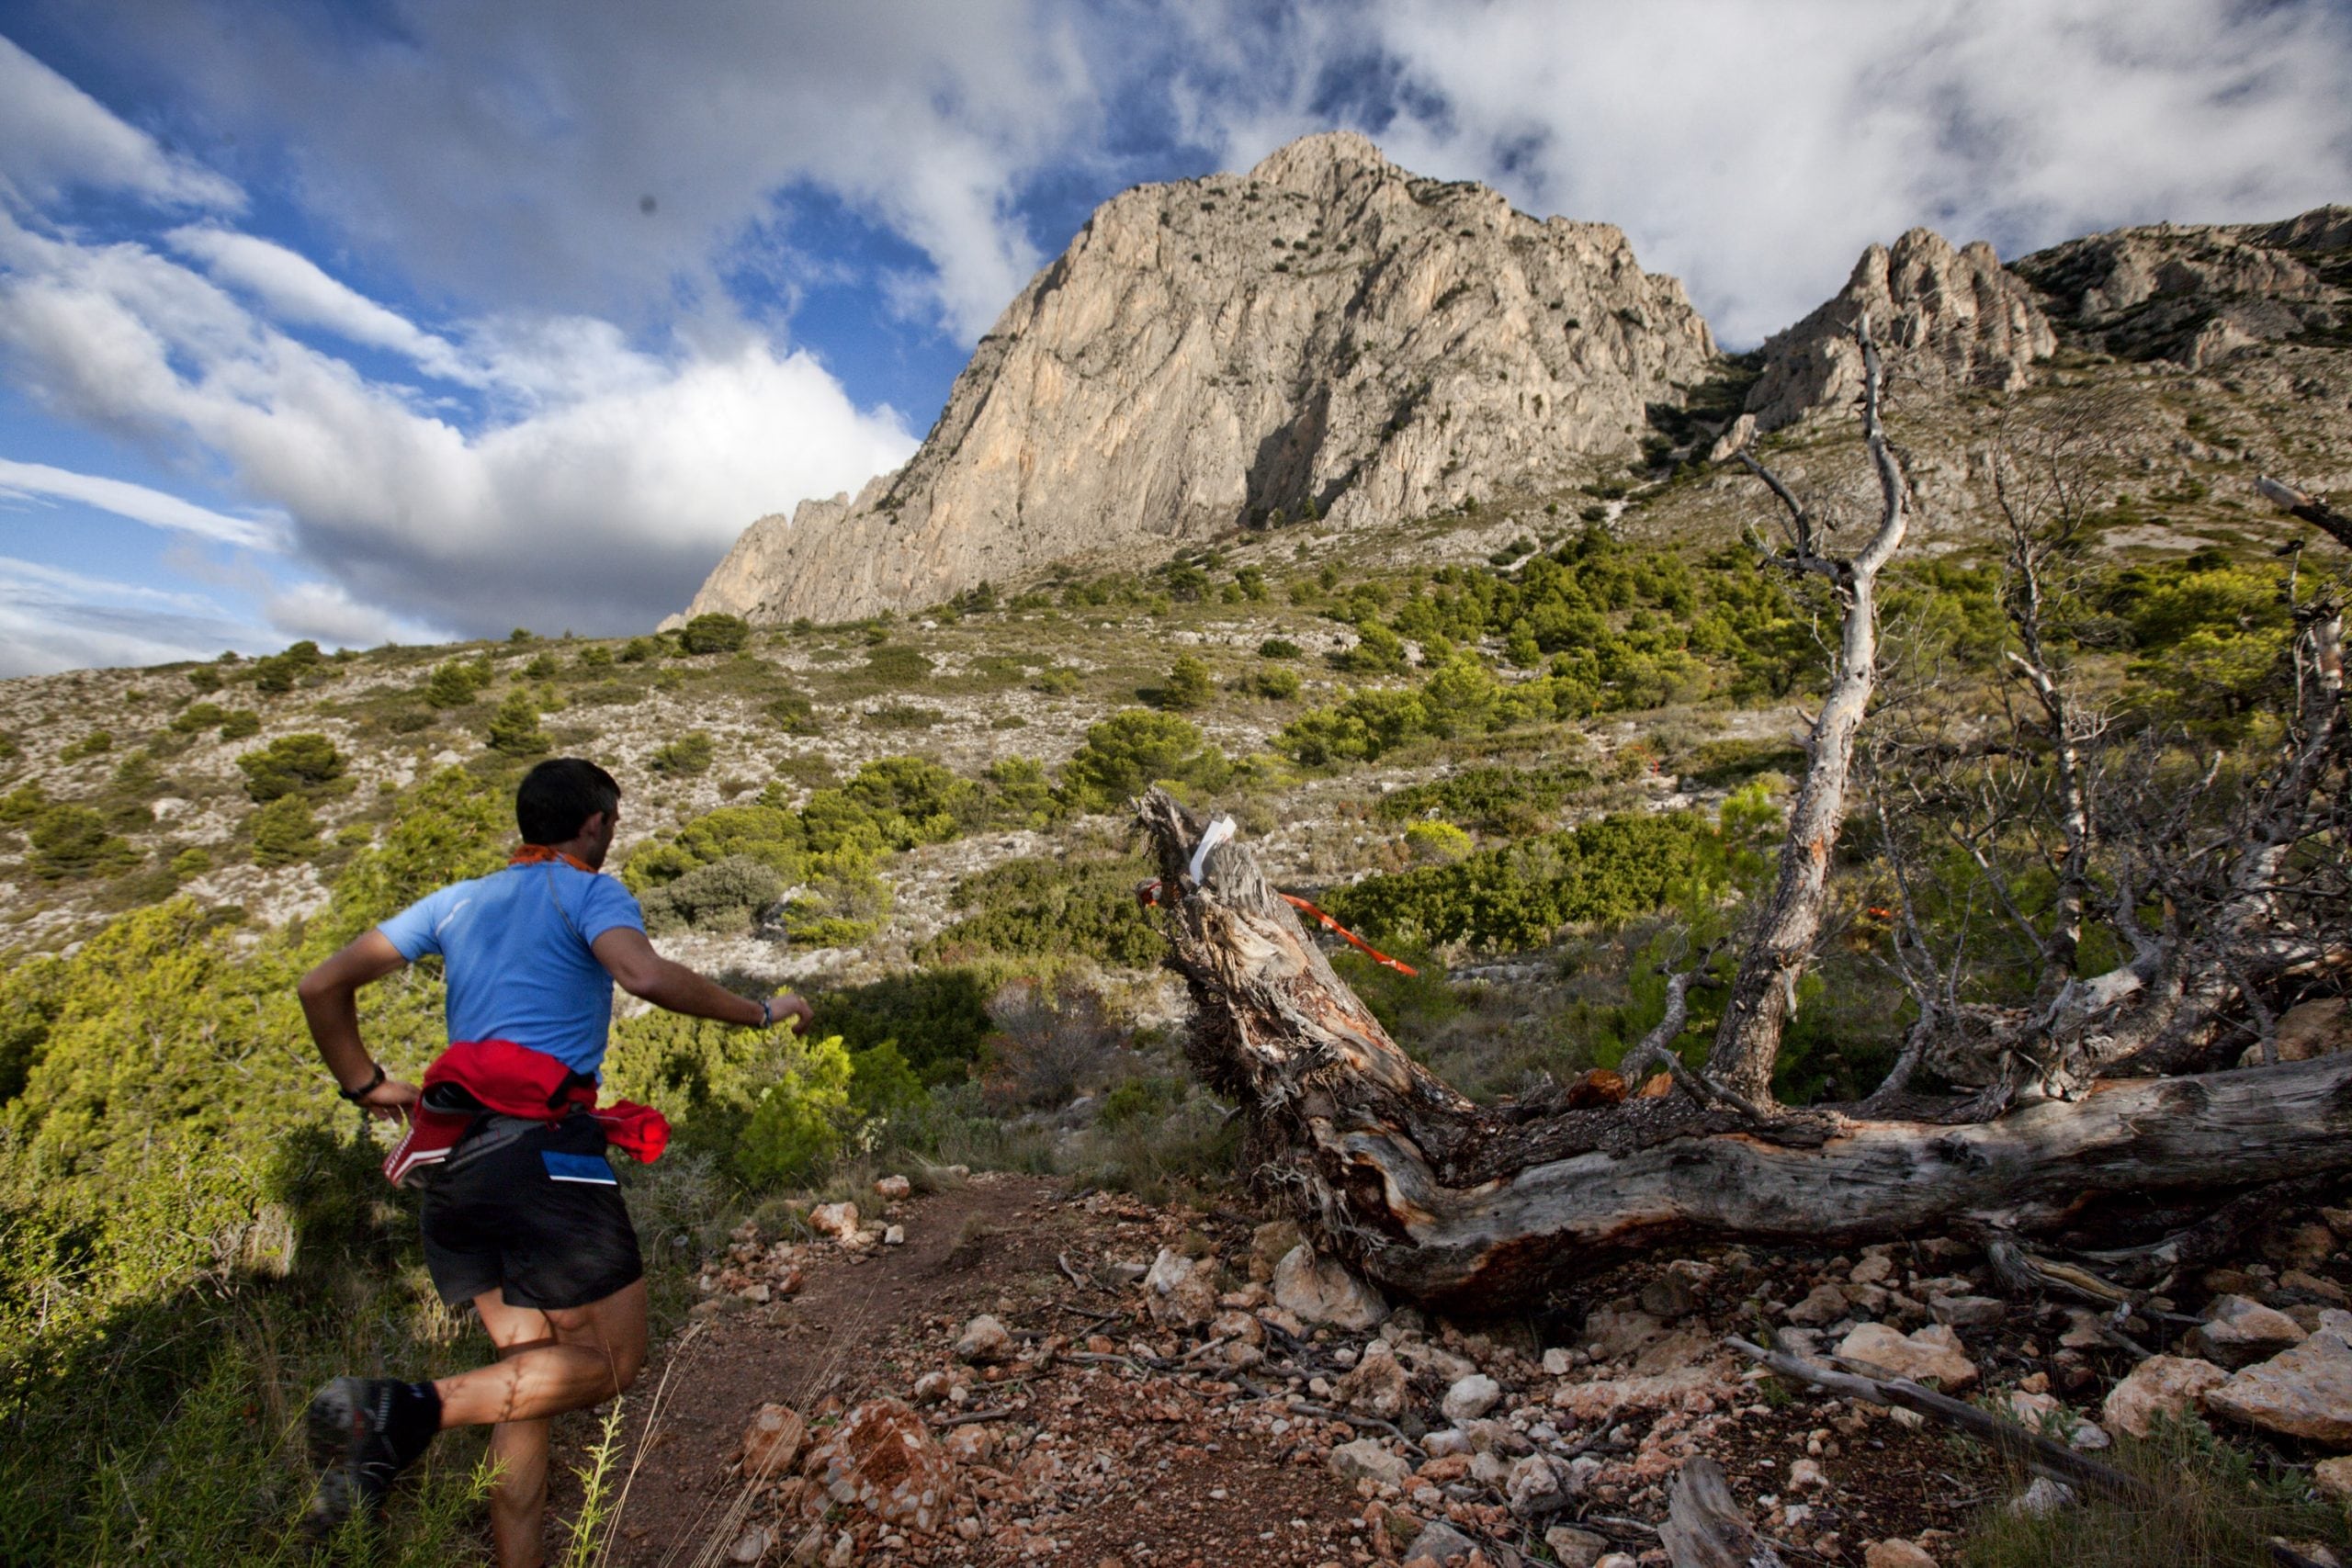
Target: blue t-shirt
point(516, 943)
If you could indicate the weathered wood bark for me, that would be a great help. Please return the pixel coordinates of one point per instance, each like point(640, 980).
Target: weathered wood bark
point(1441, 1201)
point(1763, 990)
point(1704, 1527)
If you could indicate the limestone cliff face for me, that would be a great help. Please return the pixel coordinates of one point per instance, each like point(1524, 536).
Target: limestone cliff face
point(2192, 294)
point(1942, 318)
point(1325, 331)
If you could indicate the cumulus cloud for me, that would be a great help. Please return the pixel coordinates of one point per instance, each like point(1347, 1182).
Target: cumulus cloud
point(1756, 149)
point(588, 157)
point(54, 138)
point(600, 508)
point(141, 504)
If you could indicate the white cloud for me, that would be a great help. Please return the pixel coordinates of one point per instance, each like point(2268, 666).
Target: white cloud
point(1756, 149)
point(326, 613)
point(504, 154)
point(52, 619)
point(141, 504)
point(599, 506)
point(296, 291)
point(54, 137)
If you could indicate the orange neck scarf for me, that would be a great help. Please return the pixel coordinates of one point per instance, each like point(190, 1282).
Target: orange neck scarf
point(544, 854)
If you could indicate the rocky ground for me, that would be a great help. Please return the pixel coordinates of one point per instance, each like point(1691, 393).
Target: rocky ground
point(998, 1370)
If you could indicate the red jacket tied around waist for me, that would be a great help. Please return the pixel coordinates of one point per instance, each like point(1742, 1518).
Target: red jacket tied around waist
point(499, 1078)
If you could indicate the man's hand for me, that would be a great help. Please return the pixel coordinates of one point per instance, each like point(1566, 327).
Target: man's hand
point(789, 1005)
point(389, 1100)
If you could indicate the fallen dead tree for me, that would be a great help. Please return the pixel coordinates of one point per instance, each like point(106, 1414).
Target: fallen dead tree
point(1441, 1201)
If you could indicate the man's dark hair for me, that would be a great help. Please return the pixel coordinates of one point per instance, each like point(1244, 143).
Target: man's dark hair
point(556, 798)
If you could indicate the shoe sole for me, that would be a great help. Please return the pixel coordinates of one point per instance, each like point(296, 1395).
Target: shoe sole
point(329, 1424)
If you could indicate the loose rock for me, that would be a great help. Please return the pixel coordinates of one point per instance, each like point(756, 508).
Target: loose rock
point(836, 1220)
point(1472, 1397)
point(2238, 1332)
point(772, 1440)
point(883, 1458)
point(984, 1339)
point(1368, 1459)
point(2167, 1386)
point(891, 1189)
point(1323, 1291)
point(1932, 1353)
point(2305, 1391)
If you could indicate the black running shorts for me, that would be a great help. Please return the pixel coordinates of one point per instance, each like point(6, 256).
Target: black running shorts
point(532, 1213)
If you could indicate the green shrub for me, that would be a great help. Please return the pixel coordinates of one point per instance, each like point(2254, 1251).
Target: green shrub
point(689, 753)
point(1189, 686)
point(714, 634)
point(514, 729)
point(1518, 895)
point(1278, 648)
point(1132, 749)
point(608, 693)
point(902, 716)
point(1052, 908)
point(1278, 684)
point(1518, 801)
point(203, 680)
point(1378, 651)
point(723, 896)
point(1439, 843)
point(22, 803)
point(595, 656)
point(456, 682)
point(937, 1017)
point(198, 716)
point(639, 650)
point(96, 743)
point(542, 667)
point(895, 665)
point(291, 764)
point(73, 841)
point(194, 860)
point(278, 673)
point(1060, 681)
point(241, 724)
point(1018, 794)
point(284, 831)
point(792, 713)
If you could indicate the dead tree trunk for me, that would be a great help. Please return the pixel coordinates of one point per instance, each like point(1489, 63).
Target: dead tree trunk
point(1445, 1202)
point(1763, 991)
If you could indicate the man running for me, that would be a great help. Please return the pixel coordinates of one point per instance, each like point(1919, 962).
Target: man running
point(521, 1216)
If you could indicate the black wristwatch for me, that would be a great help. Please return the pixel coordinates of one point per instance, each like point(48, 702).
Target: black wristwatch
point(356, 1095)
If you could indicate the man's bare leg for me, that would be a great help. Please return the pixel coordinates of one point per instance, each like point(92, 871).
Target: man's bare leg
point(564, 1359)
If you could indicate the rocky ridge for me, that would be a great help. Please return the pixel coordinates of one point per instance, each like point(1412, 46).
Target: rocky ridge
point(1325, 335)
point(1944, 317)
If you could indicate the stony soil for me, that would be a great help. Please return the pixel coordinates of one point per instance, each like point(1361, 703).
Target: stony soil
point(1090, 1380)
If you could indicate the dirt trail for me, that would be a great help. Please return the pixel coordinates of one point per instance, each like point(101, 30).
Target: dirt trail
point(1088, 1464)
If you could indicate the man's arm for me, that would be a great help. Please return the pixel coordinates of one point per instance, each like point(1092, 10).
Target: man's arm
point(330, 996)
point(630, 958)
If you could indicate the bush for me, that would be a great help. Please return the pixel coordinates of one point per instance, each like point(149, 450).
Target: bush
point(455, 683)
point(515, 729)
point(595, 656)
point(241, 724)
point(1130, 750)
point(937, 1018)
point(22, 803)
point(203, 680)
point(689, 753)
point(1050, 1044)
point(278, 673)
point(542, 667)
point(1440, 844)
point(291, 764)
point(194, 860)
point(770, 1108)
point(284, 831)
point(896, 664)
point(639, 650)
point(1060, 681)
point(1278, 648)
point(1189, 686)
point(1518, 895)
point(1519, 801)
point(73, 841)
point(714, 634)
point(96, 743)
point(198, 716)
point(1042, 908)
point(793, 713)
point(1378, 651)
point(727, 893)
point(1278, 684)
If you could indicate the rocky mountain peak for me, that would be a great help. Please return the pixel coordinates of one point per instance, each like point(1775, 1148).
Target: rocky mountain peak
point(1942, 316)
point(1319, 166)
point(2195, 294)
point(1325, 335)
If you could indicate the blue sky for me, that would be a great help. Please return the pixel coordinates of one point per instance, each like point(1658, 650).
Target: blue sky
point(424, 318)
